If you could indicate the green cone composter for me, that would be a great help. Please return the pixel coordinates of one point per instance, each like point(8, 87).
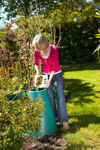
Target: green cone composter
point(48, 121)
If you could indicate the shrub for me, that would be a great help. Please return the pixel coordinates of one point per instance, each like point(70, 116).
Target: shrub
point(16, 116)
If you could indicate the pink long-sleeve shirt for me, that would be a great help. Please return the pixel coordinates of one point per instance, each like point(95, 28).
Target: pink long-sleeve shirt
point(51, 63)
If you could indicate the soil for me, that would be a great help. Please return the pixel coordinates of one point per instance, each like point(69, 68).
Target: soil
point(48, 142)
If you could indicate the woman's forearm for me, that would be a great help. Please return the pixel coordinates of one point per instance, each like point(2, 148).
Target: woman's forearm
point(37, 69)
point(51, 75)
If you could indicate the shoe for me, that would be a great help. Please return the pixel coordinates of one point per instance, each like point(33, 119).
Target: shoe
point(65, 126)
point(56, 119)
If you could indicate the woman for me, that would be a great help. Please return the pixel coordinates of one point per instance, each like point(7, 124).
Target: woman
point(48, 54)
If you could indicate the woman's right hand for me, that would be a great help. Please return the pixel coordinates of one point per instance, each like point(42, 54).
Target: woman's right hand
point(37, 70)
point(37, 74)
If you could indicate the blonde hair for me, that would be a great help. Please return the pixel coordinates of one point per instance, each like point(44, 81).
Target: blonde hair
point(39, 39)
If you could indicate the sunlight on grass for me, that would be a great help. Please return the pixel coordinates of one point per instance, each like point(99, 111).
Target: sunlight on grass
point(83, 81)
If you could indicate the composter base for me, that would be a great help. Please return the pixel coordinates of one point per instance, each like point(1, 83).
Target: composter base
point(48, 127)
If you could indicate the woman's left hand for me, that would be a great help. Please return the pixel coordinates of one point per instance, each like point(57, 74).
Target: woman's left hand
point(48, 83)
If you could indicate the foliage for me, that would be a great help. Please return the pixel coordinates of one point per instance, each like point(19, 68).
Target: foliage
point(78, 26)
point(8, 45)
point(25, 8)
point(39, 80)
point(97, 50)
point(16, 116)
point(16, 52)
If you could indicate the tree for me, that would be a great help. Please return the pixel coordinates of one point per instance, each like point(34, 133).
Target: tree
point(78, 26)
point(26, 7)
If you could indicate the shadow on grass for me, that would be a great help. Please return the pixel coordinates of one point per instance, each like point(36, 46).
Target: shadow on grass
point(79, 67)
point(83, 121)
point(79, 90)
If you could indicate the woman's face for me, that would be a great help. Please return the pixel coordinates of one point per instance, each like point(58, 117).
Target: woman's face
point(42, 47)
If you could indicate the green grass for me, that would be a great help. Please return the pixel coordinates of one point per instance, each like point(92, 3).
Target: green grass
point(83, 81)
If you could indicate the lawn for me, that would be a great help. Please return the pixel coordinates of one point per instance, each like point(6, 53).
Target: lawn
point(83, 81)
